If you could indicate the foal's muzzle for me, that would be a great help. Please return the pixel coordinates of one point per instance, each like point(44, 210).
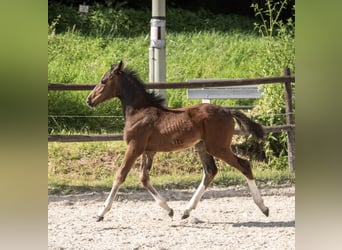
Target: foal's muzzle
point(90, 103)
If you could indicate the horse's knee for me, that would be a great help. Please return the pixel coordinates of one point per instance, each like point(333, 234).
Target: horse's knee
point(121, 175)
point(120, 178)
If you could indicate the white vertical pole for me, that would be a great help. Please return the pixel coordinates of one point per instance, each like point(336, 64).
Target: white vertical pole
point(157, 62)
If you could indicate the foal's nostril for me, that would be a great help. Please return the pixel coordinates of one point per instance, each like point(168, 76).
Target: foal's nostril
point(90, 103)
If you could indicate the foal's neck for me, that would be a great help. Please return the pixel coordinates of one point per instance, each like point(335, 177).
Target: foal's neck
point(133, 97)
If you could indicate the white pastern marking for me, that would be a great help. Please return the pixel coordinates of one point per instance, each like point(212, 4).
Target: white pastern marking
point(196, 197)
point(108, 203)
point(254, 189)
point(256, 194)
point(161, 201)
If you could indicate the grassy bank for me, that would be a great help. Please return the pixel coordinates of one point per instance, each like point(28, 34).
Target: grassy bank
point(77, 59)
point(79, 167)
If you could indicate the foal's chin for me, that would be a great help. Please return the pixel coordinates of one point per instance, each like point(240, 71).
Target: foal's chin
point(91, 104)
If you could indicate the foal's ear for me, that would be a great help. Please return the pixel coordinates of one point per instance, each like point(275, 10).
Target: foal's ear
point(117, 69)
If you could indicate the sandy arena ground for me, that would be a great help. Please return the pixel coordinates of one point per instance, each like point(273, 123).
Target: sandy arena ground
point(224, 219)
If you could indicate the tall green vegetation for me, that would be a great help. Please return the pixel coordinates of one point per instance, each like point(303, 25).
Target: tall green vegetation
point(81, 47)
point(279, 50)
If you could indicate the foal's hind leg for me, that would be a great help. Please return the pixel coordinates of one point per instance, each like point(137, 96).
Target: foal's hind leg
point(146, 164)
point(209, 170)
point(245, 168)
point(252, 186)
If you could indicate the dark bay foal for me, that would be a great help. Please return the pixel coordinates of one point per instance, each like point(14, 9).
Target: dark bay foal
point(150, 127)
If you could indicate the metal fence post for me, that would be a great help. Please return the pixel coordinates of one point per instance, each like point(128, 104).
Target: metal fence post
point(157, 60)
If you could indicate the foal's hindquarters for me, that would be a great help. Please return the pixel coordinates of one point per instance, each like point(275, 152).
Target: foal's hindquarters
point(216, 137)
point(217, 142)
point(215, 146)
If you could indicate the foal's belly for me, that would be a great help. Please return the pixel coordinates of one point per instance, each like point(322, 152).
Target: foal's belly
point(167, 144)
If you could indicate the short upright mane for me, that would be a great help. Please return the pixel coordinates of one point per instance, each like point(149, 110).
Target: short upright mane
point(155, 99)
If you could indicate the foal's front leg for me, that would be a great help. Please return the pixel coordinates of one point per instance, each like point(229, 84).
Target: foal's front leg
point(146, 164)
point(130, 156)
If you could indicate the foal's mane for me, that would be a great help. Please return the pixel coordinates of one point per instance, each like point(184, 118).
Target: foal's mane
point(153, 98)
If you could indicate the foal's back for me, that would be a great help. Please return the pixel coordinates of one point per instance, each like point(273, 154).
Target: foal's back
point(176, 129)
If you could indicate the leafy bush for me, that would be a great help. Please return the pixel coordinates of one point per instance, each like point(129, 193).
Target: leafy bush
point(280, 51)
point(115, 21)
point(100, 21)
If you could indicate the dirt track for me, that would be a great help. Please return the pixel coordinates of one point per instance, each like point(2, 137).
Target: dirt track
point(224, 219)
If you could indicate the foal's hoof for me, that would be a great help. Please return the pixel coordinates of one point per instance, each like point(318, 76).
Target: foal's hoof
point(266, 212)
point(185, 215)
point(99, 218)
point(171, 213)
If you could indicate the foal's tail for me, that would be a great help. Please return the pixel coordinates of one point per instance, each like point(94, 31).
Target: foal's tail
point(247, 125)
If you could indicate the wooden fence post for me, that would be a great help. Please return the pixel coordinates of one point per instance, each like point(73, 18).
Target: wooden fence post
point(289, 121)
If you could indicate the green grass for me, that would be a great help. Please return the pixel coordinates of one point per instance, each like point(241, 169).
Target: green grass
point(74, 58)
point(79, 167)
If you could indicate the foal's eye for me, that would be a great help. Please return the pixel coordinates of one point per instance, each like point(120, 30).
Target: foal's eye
point(103, 81)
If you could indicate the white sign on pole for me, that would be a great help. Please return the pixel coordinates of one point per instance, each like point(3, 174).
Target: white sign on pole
point(83, 8)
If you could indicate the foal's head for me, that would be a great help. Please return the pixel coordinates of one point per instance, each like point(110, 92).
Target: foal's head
point(127, 86)
point(108, 87)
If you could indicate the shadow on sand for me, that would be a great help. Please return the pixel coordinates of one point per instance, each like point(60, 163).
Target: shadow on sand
point(265, 224)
